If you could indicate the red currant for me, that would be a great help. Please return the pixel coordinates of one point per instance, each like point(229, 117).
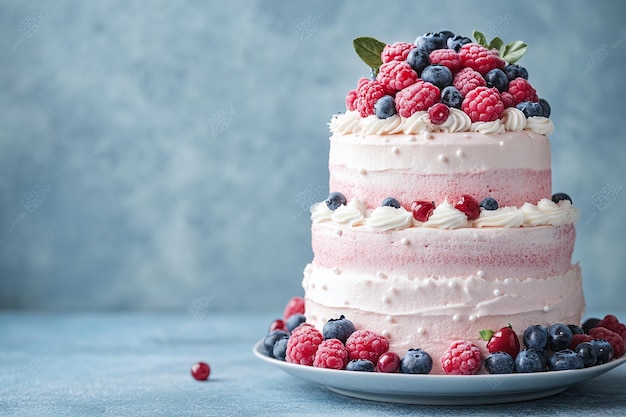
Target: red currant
point(422, 210)
point(388, 362)
point(200, 371)
point(468, 205)
point(504, 340)
point(277, 324)
point(438, 113)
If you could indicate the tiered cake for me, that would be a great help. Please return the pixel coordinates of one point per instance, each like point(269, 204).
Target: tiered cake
point(441, 221)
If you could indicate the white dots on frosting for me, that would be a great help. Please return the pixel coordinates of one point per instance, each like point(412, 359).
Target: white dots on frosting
point(452, 285)
point(501, 143)
point(389, 319)
point(546, 309)
point(339, 232)
point(324, 287)
point(507, 281)
point(404, 241)
point(472, 318)
point(381, 275)
point(456, 318)
point(386, 299)
point(337, 270)
point(480, 274)
point(427, 135)
point(460, 153)
point(386, 334)
point(346, 302)
point(442, 158)
point(421, 331)
point(497, 293)
point(362, 171)
point(395, 150)
point(413, 138)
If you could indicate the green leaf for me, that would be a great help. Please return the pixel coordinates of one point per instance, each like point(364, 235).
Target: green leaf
point(480, 38)
point(514, 51)
point(369, 50)
point(496, 43)
point(486, 334)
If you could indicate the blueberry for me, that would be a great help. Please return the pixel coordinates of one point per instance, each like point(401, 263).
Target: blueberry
point(385, 107)
point(431, 41)
point(560, 197)
point(391, 202)
point(294, 321)
point(416, 361)
point(559, 337)
point(564, 360)
point(545, 106)
point(457, 41)
point(514, 71)
point(499, 363)
point(418, 59)
point(530, 108)
point(528, 360)
point(271, 338)
point(575, 329)
point(588, 353)
point(335, 200)
point(497, 78)
point(362, 365)
point(489, 203)
point(447, 34)
point(340, 328)
point(451, 97)
point(591, 322)
point(438, 75)
point(280, 348)
point(604, 351)
point(536, 337)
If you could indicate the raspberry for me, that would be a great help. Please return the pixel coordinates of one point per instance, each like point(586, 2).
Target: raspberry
point(303, 344)
point(362, 81)
point(483, 104)
point(507, 99)
point(521, 90)
point(331, 353)
point(351, 100)
point(446, 57)
point(417, 97)
point(396, 75)
point(368, 94)
point(438, 113)
point(613, 324)
point(467, 79)
point(616, 341)
point(479, 58)
point(397, 51)
point(577, 339)
point(365, 344)
point(294, 306)
point(461, 358)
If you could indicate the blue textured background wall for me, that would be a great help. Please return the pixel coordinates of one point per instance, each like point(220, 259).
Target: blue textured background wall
point(162, 154)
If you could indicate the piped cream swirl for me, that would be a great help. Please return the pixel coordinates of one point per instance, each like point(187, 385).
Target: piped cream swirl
point(445, 216)
point(502, 217)
point(389, 218)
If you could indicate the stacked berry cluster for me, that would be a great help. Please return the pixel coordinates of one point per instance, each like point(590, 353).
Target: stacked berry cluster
point(440, 71)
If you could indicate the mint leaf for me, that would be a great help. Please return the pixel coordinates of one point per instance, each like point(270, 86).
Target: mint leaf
point(496, 43)
point(480, 38)
point(486, 334)
point(369, 50)
point(514, 51)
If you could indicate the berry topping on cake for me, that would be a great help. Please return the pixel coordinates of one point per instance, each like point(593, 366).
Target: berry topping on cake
point(418, 59)
point(559, 337)
point(294, 321)
point(351, 100)
point(545, 106)
point(295, 305)
point(431, 41)
point(469, 206)
point(303, 344)
point(497, 78)
point(461, 358)
point(335, 200)
point(391, 202)
point(416, 361)
point(479, 58)
point(200, 371)
point(507, 99)
point(278, 324)
point(438, 113)
point(576, 329)
point(457, 41)
point(417, 97)
point(529, 360)
point(483, 104)
point(536, 337)
point(271, 338)
point(388, 362)
point(560, 197)
point(468, 79)
point(499, 363)
point(514, 71)
point(521, 90)
point(397, 51)
point(577, 339)
point(367, 96)
point(438, 75)
point(613, 324)
point(587, 353)
point(504, 340)
point(604, 350)
point(340, 328)
point(590, 323)
point(396, 75)
point(280, 348)
point(365, 344)
point(422, 210)
point(385, 107)
point(616, 341)
point(530, 108)
point(564, 360)
point(446, 57)
point(360, 365)
point(331, 353)
point(489, 203)
point(451, 97)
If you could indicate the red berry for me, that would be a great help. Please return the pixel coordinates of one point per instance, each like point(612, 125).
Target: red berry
point(278, 324)
point(577, 339)
point(483, 104)
point(351, 100)
point(200, 371)
point(368, 93)
point(438, 113)
point(468, 205)
point(416, 97)
point(303, 344)
point(422, 210)
point(332, 354)
point(616, 341)
point(388, 362)
point(507, 99)
point(504, 340)
point(468, 79)
point(461, 358)
point(397, 51)
point(396, 75)
point(365, 344)
point(446, 57)
point(294, 306)
point(521, 90)
point(479, 58)
point(613, 324)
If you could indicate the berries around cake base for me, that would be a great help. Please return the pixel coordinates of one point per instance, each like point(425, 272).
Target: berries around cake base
point(538, 348)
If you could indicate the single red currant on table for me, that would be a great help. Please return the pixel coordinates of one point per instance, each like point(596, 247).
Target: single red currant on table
point(200, 371)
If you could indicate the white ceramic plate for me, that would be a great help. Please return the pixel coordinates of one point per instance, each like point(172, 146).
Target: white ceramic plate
point(440, 389)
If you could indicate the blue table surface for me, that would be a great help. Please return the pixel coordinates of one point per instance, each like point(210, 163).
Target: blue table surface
point(132, 364)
